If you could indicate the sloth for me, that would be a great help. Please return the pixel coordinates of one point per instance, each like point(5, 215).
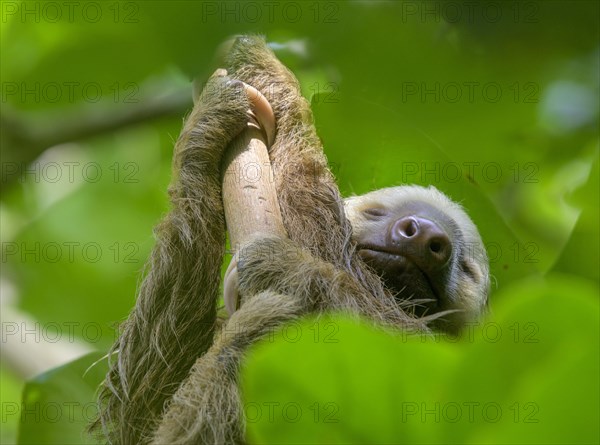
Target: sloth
point(403, 257)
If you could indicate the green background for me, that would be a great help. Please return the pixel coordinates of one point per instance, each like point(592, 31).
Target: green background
point(495, 103)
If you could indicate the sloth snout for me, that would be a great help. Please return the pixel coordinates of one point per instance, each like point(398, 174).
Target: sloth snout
point(422, 241)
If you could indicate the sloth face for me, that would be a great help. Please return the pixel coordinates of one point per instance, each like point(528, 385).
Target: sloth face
point(425, 248)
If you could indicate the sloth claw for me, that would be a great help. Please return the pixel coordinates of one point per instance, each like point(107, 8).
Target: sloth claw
point(261, 111)
point(231, 296)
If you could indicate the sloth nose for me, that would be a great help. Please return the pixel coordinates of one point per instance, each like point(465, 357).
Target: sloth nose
point(422, 241)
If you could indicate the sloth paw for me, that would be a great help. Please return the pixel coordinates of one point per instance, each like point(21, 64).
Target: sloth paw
point(221, 90)
point(265, 263)
point(254, 267)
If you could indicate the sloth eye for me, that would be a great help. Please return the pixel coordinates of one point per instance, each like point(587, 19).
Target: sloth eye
point(375, 212)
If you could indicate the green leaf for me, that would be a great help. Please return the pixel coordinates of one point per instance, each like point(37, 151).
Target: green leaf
point(59, 404)
point(581, 255)
point(506, 380)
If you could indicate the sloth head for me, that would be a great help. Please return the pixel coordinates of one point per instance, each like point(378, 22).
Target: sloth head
point(425, 248)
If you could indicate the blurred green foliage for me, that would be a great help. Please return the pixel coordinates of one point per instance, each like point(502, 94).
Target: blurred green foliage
point(58, 405)
point(504, 381)
point(495, 103)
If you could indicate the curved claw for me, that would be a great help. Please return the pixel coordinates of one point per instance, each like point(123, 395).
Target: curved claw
point(231, 295)
point(261, 110)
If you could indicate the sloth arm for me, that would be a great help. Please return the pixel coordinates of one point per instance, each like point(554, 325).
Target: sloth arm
point(155, 348)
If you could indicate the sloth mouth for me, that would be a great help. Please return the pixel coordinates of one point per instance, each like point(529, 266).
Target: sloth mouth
point(399, 272)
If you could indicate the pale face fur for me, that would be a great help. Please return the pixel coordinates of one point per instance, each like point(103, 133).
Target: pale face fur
point(464, 280)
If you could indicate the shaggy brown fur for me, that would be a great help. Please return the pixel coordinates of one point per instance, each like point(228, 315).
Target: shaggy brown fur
point(174, 379)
